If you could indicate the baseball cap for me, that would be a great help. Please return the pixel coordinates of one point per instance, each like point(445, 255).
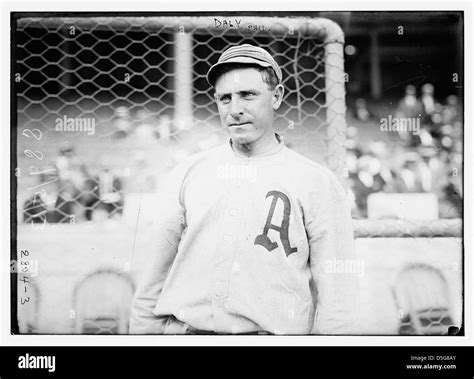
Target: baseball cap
point(246, 54)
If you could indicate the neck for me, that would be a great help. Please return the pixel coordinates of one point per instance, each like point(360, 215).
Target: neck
point(259, 147)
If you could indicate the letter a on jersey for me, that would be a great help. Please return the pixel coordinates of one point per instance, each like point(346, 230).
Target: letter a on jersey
point(263, 239)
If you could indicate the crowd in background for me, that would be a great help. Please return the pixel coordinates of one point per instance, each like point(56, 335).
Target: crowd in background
point(428, 161)
point(69, 192)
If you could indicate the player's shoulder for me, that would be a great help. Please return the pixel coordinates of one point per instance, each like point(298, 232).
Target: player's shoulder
point(313, 173)
point(306, 166)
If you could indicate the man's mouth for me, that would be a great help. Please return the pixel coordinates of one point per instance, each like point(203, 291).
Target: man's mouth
point(239, 125)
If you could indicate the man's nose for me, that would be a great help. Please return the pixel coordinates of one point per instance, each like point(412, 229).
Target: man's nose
point(236, 107)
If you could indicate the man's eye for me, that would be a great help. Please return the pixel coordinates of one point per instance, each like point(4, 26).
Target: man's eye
point(248, 95)
point(225, 99)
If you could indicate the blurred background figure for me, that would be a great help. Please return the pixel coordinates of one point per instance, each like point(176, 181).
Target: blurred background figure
point(145, 128)
point(409, 106)
point(352, 139)
point(122, 122)
point(163, 129)
point(452, 111)
point(41, 206)
point(415, 176)
point(69, 166)
point(145, 177)
point(453, 196)
point(380, 165)
point(352, 157)
point(111, 196)
point(427, 98)
point(362, 112)
point(365, 177)
point(72, 175)
point(107, 198)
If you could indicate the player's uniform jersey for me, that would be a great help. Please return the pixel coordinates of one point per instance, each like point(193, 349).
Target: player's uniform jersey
point(250, 244)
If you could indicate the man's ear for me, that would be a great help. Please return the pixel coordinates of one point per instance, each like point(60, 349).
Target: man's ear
point(278, 93)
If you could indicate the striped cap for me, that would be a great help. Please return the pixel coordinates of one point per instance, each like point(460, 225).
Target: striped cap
point(247, 54)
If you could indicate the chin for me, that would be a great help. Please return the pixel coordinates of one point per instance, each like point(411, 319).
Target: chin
point(242, 139)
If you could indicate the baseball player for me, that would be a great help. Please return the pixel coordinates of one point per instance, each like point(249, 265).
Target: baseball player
point(251, 236)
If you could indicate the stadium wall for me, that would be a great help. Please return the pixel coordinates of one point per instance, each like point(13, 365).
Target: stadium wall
point(65, 254)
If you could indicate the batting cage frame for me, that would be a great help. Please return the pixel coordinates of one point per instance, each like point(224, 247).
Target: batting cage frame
point(83, 66)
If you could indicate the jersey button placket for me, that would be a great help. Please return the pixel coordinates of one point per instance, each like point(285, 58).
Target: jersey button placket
point(224, 268)
point(223, 263)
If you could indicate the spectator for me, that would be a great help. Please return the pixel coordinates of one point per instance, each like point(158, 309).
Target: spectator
point(409, 106)
point(414, 175)
point(163, 130)
point(122, 122)
point(351, 139)
point(145, 177)
point(381, 171)
point(453, 195)
point(41, 206)
point(362, 113)
point(70, 167)
point(427, 99)
point(72, 174)
point(144, 129)
point(108, 197)
point(451, 112)
point(364, 180)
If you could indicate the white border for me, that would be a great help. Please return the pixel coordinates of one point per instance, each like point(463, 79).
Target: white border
point(243, 5)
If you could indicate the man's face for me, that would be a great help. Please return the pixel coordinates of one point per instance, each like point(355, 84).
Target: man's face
point(246, 104)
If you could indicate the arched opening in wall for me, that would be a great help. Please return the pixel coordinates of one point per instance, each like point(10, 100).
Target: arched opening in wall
point(102, 303)
point(422, 296)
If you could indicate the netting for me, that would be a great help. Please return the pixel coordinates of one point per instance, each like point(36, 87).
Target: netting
point(115, 88)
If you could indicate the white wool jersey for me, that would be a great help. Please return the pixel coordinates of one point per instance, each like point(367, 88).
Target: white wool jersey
point(248, 244)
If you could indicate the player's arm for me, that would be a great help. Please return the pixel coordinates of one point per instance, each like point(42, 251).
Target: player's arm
point(333, 263)
point(167, 231)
